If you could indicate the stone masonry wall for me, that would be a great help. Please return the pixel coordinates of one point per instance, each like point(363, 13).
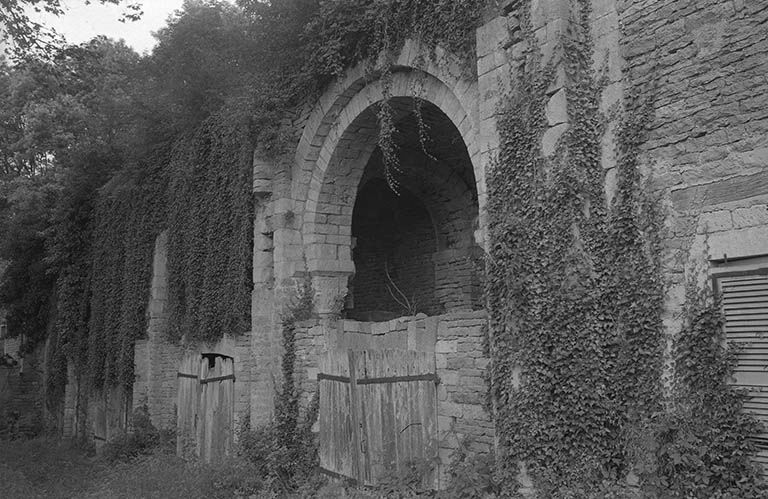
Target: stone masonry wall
point(707, 148)
point(157, 359)
point(457, 285)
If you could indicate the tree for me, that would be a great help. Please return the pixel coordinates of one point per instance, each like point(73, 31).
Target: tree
point(66, 126)
point(27, 36)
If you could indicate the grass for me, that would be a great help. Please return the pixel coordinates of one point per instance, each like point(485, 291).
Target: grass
point(45, 468)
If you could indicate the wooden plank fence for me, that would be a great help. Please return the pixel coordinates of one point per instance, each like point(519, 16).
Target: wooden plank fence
point(378, 412)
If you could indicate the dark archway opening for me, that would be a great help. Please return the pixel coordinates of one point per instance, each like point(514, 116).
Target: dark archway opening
point(414, 250)
point(393, 242)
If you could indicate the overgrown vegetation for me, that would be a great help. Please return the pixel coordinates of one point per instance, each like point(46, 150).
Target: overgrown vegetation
point(103, 150)
point(700, 445)
point(143, 439)
point(123, 147)
point(576, 294)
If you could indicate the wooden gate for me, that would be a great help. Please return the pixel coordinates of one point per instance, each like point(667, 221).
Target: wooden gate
point(378, 412)
point(205, 407)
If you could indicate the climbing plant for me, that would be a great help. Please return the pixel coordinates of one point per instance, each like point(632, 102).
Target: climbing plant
point(700, 445)
point(221, 83)
point(129, 214)
point(574, 285)
point(575, 292)
point(210, 230)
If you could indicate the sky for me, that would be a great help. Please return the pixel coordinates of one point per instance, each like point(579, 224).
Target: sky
point(82, 22)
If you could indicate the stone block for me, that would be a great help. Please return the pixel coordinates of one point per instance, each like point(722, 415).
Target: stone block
point(551, 137)
point(460, 362)
point(738, 243)
point(441, 361)
point(449, 378)
point(442, 393)
point(749, 217)
point(715, 221)
point(450, 409)
point(482, 363)
point(473, 397)
point(446, 346)
point(422, 339)
point(557, 108)
point(475, 411)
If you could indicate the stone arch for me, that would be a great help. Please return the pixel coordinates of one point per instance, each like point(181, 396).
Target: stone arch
point(338, 141)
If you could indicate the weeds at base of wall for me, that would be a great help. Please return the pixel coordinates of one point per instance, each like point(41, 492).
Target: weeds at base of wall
point(16, 426)
point(144, 439)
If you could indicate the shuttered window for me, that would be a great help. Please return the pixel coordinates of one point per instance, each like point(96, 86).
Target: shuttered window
point(745, 306)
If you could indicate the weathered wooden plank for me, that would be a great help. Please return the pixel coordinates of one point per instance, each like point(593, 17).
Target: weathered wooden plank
point(359, 366)
point(323, 416)
point(387, 429)
point(428, 415)
point(226, 406)
point(202, 368)
point(187, 401)
point(355, 414)
point(369, 430)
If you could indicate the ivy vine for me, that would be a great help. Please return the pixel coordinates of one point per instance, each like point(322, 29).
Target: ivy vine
point(210, 230)
point(574, 287)
point(575, 291)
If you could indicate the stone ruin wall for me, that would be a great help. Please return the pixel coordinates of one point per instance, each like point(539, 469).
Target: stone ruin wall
point(157, 360)
point(706, 154)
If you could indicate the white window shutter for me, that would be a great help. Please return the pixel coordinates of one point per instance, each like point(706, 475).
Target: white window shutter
point(745, 306)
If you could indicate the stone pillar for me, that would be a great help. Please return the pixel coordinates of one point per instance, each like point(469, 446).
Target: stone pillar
point(607, 60)
point(493, 81)
point(156, 358)
point(265, 336)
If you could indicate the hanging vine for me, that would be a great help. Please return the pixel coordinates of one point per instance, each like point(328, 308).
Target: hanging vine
point(210, 235)
point(128, 216)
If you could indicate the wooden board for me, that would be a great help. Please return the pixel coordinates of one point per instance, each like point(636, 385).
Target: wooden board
point(205, 408)
point(337, 449)
point(216, 408)
point(377, 416)
point(186, 406)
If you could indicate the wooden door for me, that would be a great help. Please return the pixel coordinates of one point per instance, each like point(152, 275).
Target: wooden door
point(216, 408)
point(378, 412)
point(205, 407)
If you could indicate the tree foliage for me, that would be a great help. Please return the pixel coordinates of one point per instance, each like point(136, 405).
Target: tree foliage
point(27, 37)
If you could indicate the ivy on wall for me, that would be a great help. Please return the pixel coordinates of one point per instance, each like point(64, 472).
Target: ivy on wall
point(129, 215)
point(210, 230)
point(700, 445)
point(575, 293)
